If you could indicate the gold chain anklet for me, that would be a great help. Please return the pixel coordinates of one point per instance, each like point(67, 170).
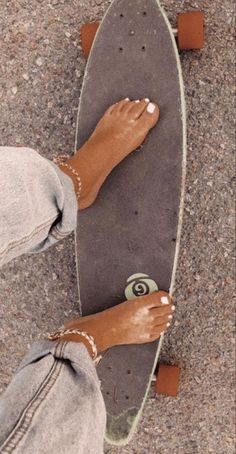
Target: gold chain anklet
point(61, 161)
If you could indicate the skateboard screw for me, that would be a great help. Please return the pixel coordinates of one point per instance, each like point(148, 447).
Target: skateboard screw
point(132, 32)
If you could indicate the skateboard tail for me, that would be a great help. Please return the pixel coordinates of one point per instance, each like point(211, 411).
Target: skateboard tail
point(121, 429)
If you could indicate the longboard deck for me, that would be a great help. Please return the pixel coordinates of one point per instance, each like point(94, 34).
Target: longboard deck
point(132, 232)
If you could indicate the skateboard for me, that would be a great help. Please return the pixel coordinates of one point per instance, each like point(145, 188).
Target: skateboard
point(127, 243)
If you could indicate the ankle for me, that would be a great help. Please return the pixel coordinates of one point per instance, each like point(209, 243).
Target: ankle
point(76, 335)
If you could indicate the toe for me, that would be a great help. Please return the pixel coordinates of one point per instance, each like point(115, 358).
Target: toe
point(160, 312)
point(158, 330)
point(150, 116)
point(137, 108)
point(116, 107)
point(156, 299)
point(119, 106)
point(126, 108)
point(164, 320)
point(163, 327)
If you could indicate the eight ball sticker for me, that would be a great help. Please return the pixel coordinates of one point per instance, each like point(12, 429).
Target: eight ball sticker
point(139, 284)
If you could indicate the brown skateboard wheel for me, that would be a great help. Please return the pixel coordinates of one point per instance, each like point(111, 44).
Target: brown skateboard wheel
point(167, 381)
point(191, 30)
point(87, 35)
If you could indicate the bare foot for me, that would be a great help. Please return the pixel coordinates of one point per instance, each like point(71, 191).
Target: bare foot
point(121, 130)
point(138, 321)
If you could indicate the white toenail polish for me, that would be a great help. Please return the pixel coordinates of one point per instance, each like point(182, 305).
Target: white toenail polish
point(164, 300)
point(173, 308)
point(170, 316)
point(147, 100)
point(127, 99)
point(161, 334)
point(151, 107)
point(137, 100)
point(168, 324)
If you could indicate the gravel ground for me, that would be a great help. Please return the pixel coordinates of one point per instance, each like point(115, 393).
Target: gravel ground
point(41, 75)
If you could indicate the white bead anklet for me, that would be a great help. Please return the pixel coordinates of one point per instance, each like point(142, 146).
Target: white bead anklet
point(62, 332)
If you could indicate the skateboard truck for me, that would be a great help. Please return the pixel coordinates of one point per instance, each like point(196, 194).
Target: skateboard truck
point(189, 32)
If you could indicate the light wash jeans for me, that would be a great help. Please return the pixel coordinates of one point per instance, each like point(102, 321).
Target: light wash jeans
point(54, 402)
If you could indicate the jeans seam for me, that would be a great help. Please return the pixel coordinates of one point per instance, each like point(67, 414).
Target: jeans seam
point(61, 233)
point(18, 243)
point(23, 424)
point(58, 236)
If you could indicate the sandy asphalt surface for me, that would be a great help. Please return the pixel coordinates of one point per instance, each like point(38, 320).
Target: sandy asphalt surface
point(41, 74)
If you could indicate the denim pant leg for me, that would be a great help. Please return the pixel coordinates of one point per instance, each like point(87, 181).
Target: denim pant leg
point(54, 402)
point(38, 205)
